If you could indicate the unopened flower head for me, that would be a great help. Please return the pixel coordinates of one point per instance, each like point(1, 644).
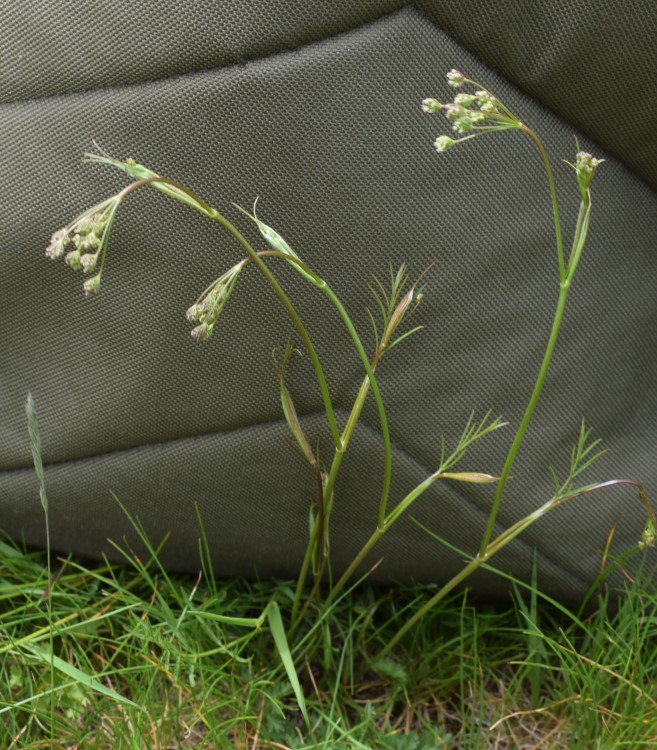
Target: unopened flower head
point(585, 168)
point(465, 100)
point(649, 535)
point(92, 285)
point(455, 78)
point(88, 234)
point(489, 106)
point(455, 112)
point(194, 313)
point(462, 125)
point(72, 259)
point(88, 262)
point(206, 310)
point(431, 105)
point(202, 332)
point(88, 241)
point(443, 143)
point(58, 242)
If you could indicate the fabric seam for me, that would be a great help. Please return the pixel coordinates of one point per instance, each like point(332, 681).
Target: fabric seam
point(402, 452)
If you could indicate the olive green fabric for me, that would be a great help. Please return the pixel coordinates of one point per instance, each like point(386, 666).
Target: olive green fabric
point(314, 108)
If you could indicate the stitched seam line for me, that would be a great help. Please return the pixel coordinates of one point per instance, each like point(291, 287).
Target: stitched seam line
point(239, 63)
point(339, 410)
point(347, 30)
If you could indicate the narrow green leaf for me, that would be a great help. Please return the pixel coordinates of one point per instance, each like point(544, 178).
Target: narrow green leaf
point(10, 552)
point(473, 477)
point(240, 622)
point(35, 441)
point(80, 677)
point(280, 639)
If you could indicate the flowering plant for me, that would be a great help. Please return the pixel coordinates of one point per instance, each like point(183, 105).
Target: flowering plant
point(474, 112)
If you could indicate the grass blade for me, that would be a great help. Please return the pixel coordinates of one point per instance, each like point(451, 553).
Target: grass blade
point(80, 677)
point(283, 648)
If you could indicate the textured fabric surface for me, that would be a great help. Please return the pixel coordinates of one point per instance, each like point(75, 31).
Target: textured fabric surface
point(316, 111)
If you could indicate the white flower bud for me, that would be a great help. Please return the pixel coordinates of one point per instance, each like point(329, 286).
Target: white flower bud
point(88, 262)
point(455, 78)
point(89, 241)
point(72, 259)
point(55, 249)
point(202, 332)
point(464, 125)
point(489, 106)
point(194, 314)
point(454, 112)
point(443, 143)
point(465, 100)
point(585, 168)
point(60, 237)
point(431, 105)
point(91, 286)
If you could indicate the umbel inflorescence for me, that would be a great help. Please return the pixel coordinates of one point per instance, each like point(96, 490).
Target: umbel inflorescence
point(471, 114)
point(83, 242)
point(477, 113)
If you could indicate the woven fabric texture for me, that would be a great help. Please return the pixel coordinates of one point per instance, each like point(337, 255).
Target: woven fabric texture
point(316, 112)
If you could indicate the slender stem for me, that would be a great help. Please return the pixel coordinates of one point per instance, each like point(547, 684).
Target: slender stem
point(529, 412)
point(328, 490)
point(505, 538)
point(305, 565)
point(394, 514)
point(51, 634)
point(385, 431)
point(581, 233)
point(319, 373)
point(553, 196)
point(262, 267)
point(369, 381)
point(353, 565)
point(566, 275)
point(467, 571)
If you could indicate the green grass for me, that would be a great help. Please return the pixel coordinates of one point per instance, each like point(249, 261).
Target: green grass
point(147, 659)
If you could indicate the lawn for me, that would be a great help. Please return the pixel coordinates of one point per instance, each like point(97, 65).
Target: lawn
point(142, 658)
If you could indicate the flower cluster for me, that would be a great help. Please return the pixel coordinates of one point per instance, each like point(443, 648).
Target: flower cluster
point(469, 113)
point(208, 307)
point(585, 166)
point(82, 242)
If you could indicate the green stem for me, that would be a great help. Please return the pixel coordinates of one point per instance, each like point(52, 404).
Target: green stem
point(529, 412)
point(303, 574)
point(394, 514)
point(51, 633)
point(385, 431)
point(328, 490)
point(459, 578)
point(579, 239)
point(553, 196)
point(353, 565)
point(505, 538)
point(262, 267)
point(335, 467)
